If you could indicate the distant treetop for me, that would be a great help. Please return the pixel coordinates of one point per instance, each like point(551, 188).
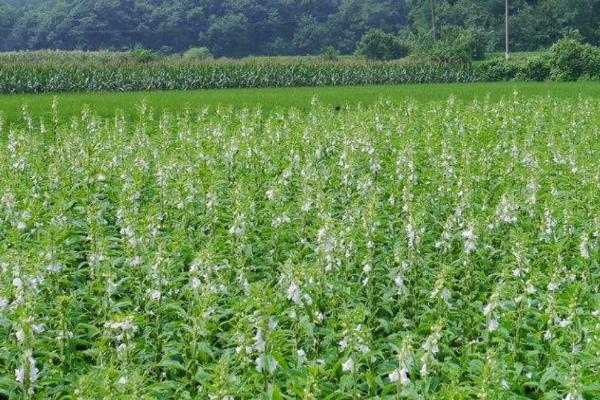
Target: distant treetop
point(237, 28)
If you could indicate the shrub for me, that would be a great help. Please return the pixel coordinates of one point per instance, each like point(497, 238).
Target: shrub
point(379, 45)
point(329, 53)
point(447, 52)
point(571, 60)
point(197, 54)
point(142, 55)
point(456, 45)
point(497, 70)
point(535, 69)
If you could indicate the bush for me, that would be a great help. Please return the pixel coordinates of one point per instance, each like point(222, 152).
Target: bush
point(329, 53)
point(571, 60)
point(448, 52)
point(378, 45)
point(456, 46)
point(535, 69)
point(197, 54)
point(142, 55)
point(497, 70)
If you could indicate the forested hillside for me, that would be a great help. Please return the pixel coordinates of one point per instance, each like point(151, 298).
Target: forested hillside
point(243, 27)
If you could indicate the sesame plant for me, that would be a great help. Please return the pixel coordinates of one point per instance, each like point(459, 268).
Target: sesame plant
point(396, 251)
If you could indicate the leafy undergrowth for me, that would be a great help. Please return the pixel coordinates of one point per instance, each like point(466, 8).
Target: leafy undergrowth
point(395, 251)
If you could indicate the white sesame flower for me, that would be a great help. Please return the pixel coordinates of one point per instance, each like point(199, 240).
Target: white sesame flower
point(195, 283)
point(3, 302)
point(584, 248)
point(301, 356)
point(319, 316)
point(307, 206)
point(54, 268)
point(20, 374)
point(400, 375)
point(348, 365)
point(492, 325)
point(293, 293)
point(343, 343)
point(155, 295)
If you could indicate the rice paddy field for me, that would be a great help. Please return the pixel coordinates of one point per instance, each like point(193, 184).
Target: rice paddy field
point(401, 246)
point(107, 105)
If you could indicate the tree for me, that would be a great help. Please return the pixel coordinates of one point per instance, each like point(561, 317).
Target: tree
point(378, 45)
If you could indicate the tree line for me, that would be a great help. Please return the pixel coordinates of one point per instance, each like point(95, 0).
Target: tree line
point(237, 28)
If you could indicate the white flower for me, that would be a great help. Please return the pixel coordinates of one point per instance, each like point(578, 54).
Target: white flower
point(33, 371)
point(260, 364)
point(3, 302)
point(573, 396)
point(155, 295)
point(17, 282)
point(293, 293)
point(195, 283)
point(584, 248)
point(259, 341)
point(20, 374)
point(54, 268)
point(348, 365)
point(487, 309)
point(307, 206)
point(301, 356)
point(492, 325)
point(343, 343)
point(446, 295)
point(400, 375)
point(211, 200)
point(122, 380)
point(470, 237)
point(235, 230)
point(270, 194)
point(367, 268)
point(135, 261)
point(319, 316)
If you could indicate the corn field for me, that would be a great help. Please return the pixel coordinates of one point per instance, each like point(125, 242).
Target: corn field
point(122, 77)
point(397, 251)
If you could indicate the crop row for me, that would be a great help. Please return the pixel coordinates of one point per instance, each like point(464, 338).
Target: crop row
point(89, 77)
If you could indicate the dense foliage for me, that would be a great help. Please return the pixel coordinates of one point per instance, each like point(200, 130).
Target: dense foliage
point(396, 251)
point(27, 72)
point(94, 77)
point(379, 45)
point(265, 27)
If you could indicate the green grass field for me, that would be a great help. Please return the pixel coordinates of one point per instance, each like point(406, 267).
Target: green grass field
point(106, 104)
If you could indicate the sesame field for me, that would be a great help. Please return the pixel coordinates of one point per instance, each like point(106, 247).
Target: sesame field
point(396, 249)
